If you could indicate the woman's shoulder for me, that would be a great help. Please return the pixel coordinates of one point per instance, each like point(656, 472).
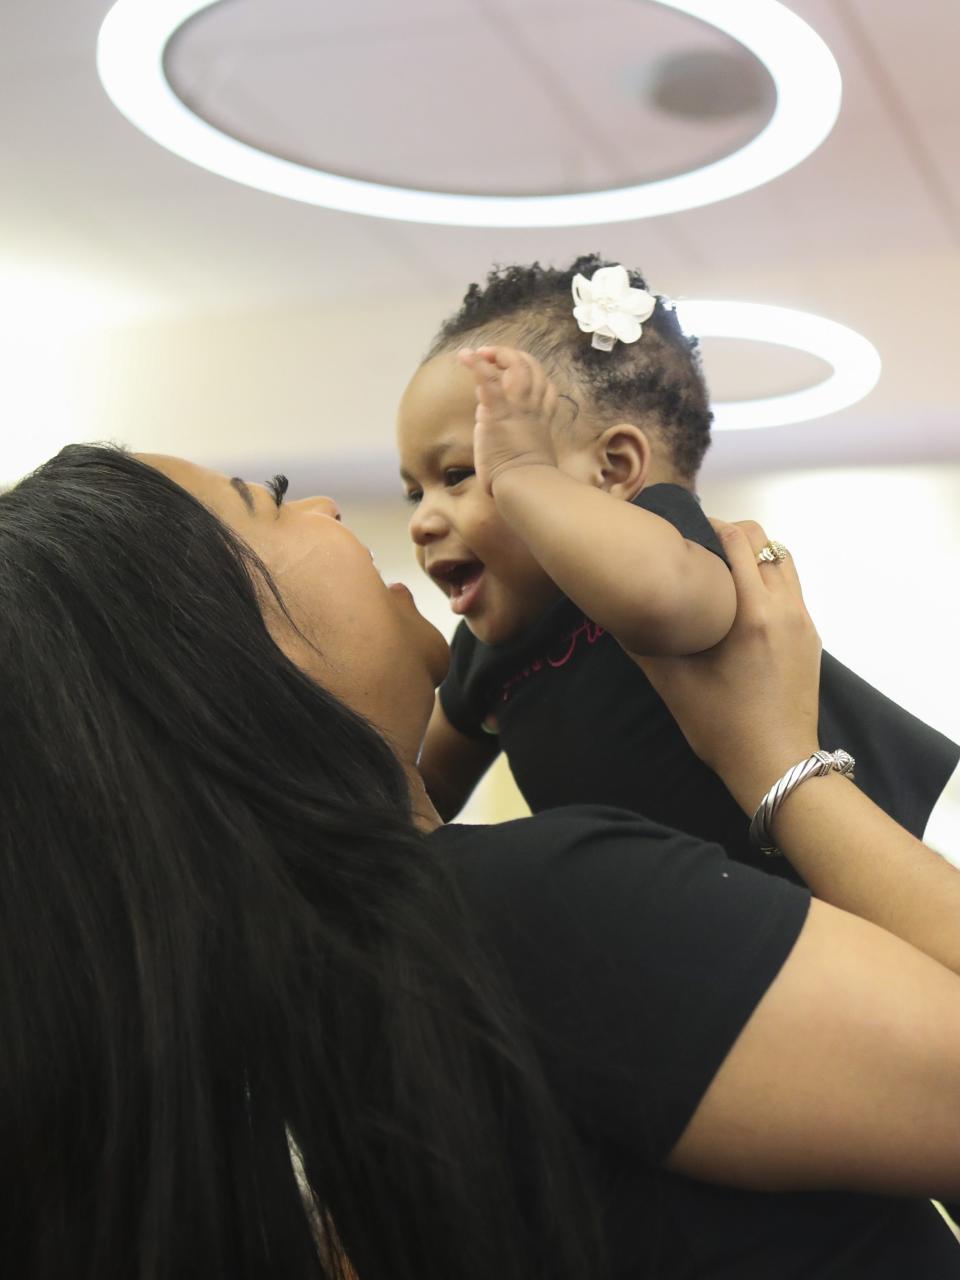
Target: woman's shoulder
point(589, 853)
point(607, 877)
point(557, 832)
point(608, 925)
point(549, 854)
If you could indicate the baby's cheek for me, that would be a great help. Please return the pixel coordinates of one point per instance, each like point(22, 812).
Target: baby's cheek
point(493, 529)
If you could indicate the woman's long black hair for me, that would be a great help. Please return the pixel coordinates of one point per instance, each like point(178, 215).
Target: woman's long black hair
point(223, 941)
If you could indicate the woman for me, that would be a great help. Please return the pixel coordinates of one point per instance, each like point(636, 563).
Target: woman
point(233, 933)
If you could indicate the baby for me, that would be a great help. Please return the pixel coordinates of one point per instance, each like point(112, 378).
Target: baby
point(550, 451)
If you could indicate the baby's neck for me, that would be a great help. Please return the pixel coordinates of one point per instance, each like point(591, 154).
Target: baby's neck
point(662, 471)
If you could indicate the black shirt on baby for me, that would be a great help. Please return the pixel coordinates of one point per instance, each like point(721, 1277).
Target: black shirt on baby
point(581, 724)
point(637, 956)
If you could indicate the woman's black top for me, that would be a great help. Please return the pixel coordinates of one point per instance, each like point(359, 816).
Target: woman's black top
point(638, 954)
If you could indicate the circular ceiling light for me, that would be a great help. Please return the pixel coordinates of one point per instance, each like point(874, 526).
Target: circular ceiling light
point(135, 34)
point(855, 361)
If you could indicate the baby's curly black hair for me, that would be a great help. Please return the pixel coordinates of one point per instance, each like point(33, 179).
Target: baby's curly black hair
point(656, 382)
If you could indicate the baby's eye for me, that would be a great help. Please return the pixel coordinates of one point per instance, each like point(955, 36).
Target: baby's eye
point(456, 475)
point(412, 496)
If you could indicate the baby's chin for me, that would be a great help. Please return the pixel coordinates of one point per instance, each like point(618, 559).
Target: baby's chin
point(497, 631)
point(497, 621)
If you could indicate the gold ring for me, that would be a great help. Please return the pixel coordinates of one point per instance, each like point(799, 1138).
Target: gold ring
point(772, 553)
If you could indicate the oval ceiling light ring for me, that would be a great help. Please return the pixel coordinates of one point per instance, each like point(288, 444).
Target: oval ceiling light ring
point(856, 362)
point(135, 33)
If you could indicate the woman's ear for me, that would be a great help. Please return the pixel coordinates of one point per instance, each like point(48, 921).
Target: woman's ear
point(623, 460)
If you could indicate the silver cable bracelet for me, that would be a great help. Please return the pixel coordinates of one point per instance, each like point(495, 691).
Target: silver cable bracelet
point(814, 766)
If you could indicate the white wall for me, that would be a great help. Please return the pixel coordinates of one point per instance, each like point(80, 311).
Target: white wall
point(878, 552)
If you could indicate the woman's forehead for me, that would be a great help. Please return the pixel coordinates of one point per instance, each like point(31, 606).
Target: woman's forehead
point(198, 480)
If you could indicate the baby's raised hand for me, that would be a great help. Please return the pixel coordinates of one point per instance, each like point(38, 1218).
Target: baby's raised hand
point(516, 412)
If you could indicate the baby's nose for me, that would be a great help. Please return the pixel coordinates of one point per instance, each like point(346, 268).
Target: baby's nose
point(425, 524)
point(423, 528)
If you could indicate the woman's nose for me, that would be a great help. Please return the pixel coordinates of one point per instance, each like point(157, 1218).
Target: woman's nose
point(322, 504)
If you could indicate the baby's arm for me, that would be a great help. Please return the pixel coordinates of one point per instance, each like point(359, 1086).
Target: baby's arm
point(451, 764)
point(629, 570)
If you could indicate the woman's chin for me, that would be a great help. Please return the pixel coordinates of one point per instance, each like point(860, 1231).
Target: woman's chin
point(438, 657)
point(431, 642)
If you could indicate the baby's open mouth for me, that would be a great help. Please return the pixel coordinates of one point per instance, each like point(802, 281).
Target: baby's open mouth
point(459, 580)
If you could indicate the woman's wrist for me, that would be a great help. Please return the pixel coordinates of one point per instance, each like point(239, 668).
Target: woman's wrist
point(816, 765)
point(791, 819)
point(749, 774)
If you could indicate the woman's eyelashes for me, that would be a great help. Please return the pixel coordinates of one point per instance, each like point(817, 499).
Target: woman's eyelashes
point(278, 486)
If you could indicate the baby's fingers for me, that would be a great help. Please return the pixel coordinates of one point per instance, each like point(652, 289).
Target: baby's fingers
point(487, 376)
point(503, 357)
point(482, 368)
point(511, 368)
point(523, 375)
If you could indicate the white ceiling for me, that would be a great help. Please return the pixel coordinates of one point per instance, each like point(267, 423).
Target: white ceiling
point(246, 327)
point(492, 98)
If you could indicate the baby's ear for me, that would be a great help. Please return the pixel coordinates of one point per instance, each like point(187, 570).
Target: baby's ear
point(623, 459)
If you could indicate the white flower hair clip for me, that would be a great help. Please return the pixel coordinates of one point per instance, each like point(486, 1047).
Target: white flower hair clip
point(609, 308)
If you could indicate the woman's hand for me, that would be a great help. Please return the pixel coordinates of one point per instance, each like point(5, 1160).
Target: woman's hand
point(749, 706)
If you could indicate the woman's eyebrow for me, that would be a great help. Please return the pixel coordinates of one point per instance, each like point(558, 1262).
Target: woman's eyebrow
point(243, 489)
